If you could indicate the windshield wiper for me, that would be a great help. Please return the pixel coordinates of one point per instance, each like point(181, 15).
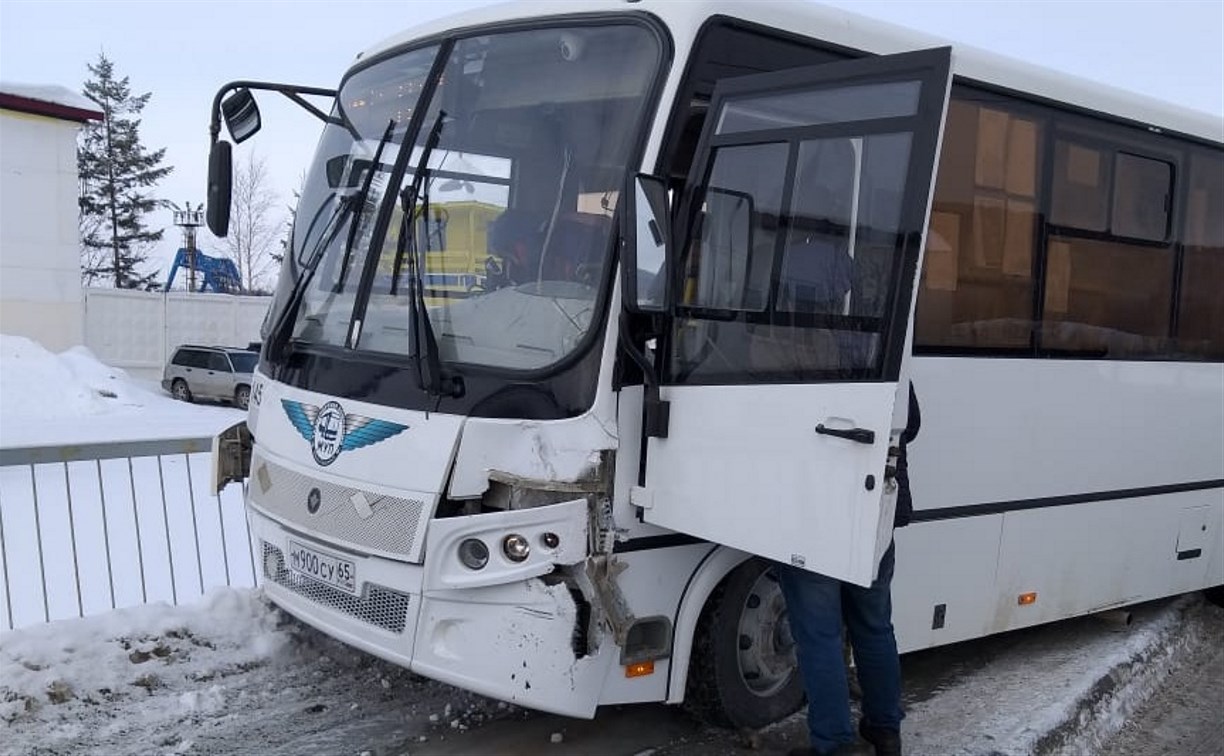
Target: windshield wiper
point(348, 204)
point(279, 337)
point(424, 343)
point(363, 195)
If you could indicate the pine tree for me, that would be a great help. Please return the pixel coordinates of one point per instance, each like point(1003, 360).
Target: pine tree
point(116, 176)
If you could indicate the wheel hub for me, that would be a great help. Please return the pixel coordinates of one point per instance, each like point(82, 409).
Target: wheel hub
point(766, 651)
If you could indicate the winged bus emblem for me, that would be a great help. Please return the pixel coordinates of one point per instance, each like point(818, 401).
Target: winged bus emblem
point(330, 430)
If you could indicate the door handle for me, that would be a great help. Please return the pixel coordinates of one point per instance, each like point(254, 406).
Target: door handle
point(859, 435)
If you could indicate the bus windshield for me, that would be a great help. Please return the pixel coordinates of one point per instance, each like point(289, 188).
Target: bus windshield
point(510, 235)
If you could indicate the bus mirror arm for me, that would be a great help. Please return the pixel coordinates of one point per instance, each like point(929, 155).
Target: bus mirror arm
point(242, 114)
point(235, 102)
point(656, 413)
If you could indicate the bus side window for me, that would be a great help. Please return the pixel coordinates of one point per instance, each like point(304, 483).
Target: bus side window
point(976, 289)
point(1200, 308)
point(1109, 260)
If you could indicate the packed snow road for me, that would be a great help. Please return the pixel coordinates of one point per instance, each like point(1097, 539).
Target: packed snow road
point(1185, 716)
point(231, 675)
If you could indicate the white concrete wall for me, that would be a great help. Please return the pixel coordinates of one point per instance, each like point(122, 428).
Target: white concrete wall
point(40, 264)
point(137, 330)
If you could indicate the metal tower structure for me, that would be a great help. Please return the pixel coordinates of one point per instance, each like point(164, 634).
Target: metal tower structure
point(189, 220)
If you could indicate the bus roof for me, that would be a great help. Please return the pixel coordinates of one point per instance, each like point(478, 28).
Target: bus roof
point(854, 31)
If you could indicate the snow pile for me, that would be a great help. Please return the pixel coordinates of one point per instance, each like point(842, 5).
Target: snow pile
point(230, 674)
point(130, 653)
point(72, 397)
point(36, 384)
point(1065, 695)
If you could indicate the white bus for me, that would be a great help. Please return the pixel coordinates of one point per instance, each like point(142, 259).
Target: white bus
point(564, 486)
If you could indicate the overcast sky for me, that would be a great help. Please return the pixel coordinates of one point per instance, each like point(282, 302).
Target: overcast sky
point(183, 50)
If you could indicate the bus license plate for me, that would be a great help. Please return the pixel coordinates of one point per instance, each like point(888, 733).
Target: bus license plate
point(327, 569)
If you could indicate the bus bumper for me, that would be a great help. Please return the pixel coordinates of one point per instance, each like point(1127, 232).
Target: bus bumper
point(380, 617)
point(515, 641)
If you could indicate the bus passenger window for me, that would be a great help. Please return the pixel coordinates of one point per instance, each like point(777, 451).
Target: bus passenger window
point(1141, 201)
point(1200, 309)
point(976, 289)
point(1106, 298)
point(1108, 293)
point(1081, 187)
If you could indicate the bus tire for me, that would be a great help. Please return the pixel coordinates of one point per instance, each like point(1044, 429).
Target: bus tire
point(743, 672)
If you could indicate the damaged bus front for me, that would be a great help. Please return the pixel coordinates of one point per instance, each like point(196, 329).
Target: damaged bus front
point(429, 446)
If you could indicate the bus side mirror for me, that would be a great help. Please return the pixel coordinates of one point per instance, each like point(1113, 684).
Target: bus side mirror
point(646, 235)
point(241, 115)
point(220, 186)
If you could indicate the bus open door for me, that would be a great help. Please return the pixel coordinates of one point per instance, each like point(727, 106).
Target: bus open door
point(785, 309)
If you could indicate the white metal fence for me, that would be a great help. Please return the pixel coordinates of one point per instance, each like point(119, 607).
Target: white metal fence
point(137, 330)
point(89, 528)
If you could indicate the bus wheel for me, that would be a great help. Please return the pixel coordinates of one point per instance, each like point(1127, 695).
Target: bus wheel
point(743, 671)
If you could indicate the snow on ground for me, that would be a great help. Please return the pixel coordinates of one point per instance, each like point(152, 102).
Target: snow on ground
point(1057, 693)
point(226, 675)
point(232, 675)
point(71, 397)
point(136, 531)
point(106, 659)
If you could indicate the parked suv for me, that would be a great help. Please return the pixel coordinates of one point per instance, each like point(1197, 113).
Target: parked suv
point(209, 372)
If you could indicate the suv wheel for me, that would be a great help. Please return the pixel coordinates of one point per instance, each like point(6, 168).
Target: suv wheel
point(180, 391)
point(242, 397)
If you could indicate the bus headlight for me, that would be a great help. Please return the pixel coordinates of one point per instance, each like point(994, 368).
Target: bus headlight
point(473, 553)
point(516, 547)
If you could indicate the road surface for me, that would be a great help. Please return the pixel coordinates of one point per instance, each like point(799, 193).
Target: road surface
point(1064, 688)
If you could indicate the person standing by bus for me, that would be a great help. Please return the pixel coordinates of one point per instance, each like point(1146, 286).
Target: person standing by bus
point(818, 607)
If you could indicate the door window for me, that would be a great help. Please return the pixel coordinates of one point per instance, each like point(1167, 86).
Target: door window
point(800, 231)
point(860, 102)
point(792, 280)
point(737, 224)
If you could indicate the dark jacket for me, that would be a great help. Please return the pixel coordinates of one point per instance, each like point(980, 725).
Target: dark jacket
point(905, 503)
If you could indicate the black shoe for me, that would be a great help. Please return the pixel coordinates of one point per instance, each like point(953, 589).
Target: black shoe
point(886, 742)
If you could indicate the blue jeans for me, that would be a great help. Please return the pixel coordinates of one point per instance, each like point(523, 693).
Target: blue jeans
point(817, 607)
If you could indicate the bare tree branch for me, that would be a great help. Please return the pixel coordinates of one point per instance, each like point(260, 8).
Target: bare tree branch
point(253, 239)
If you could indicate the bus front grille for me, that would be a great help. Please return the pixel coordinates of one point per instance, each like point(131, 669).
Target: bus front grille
point(364, 520)
point(377, 605)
